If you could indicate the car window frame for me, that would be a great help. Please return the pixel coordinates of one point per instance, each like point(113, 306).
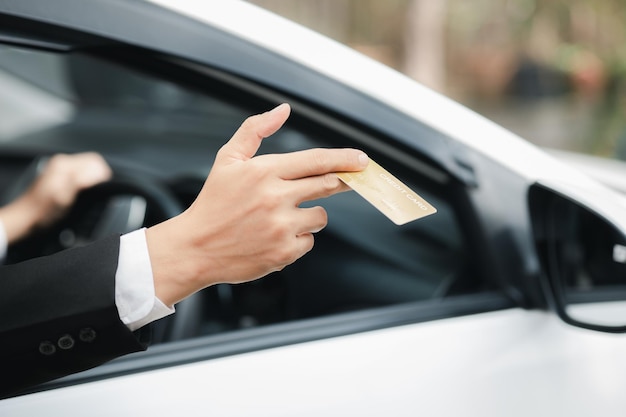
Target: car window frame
point(217, 346)
point(208, 347)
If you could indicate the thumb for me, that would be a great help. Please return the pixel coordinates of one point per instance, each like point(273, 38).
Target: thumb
point(246, 141)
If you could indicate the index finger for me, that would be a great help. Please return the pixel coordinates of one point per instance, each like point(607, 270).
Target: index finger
point(312, 162)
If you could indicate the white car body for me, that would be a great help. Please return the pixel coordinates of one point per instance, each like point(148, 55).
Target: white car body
point(512, 362)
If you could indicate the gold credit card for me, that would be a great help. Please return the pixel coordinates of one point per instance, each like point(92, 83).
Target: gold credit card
point(387, 193)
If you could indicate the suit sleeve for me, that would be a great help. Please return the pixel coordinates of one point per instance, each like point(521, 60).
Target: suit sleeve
point(58, 316)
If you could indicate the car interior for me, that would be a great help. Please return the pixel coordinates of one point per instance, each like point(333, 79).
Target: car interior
point(160, 129)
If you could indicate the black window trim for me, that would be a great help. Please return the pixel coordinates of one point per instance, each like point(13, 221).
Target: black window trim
point(284, 334)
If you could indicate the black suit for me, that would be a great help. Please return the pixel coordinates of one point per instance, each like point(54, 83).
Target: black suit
point(58, 316)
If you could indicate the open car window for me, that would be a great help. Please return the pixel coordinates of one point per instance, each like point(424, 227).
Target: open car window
point(159, 129)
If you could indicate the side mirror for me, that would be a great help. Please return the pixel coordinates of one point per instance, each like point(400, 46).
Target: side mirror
point(581, 241)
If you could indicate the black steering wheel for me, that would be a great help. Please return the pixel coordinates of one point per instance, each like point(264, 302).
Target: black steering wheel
point(114, 207)
point(118, 206)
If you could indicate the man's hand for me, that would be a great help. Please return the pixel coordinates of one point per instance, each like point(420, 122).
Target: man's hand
point(246, 222)
point(53, 192)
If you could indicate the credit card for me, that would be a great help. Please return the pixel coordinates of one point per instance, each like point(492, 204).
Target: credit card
point(387, 193)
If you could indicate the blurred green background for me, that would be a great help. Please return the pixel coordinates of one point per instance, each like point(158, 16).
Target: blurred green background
point(552, 71)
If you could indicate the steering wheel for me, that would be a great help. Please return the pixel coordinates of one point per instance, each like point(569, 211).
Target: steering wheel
point(114, 207)
point(118, 206)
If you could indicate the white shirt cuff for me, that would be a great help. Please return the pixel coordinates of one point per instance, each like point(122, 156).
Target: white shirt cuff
point(135, 298)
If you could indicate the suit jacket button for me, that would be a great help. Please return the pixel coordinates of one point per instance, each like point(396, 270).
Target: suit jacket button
point(47, 348)
point(66, 342)
point(87, 335)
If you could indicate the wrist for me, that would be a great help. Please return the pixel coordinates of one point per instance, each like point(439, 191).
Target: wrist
point(176, 268)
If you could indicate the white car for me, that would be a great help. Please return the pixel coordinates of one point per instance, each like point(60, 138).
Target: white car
point(504, 303)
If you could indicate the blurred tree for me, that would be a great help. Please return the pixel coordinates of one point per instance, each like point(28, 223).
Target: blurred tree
point(424, 43)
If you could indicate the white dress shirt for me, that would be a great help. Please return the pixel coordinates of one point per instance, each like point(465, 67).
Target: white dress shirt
point(135, 298)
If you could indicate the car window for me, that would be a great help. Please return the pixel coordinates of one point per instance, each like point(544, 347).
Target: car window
point(71, 102)
point(170, 132)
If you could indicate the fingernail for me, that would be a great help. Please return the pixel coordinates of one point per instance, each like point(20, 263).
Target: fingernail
point(363, 159)
point(278, 108)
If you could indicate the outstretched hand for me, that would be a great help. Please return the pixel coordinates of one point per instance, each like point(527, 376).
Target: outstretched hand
point(247, 221)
